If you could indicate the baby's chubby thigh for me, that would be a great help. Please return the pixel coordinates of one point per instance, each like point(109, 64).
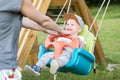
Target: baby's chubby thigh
point(64, 58)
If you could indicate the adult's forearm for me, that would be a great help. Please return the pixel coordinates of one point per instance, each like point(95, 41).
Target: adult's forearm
point(27, 23)
point(31, 12)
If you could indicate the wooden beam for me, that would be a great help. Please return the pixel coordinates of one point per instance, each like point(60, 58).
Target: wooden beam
point(35, 2)
point(30, 37)
point(33, 56)
point(24, 30)
point(22, 34)
point(57, 2)
point(84, 12)
point(26, 47)
point(44, 6)
point(77, 8)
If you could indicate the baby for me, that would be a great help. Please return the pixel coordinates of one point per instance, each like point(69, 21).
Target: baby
point(74, 25)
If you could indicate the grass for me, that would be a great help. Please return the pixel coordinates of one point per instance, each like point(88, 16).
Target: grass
point(109, 37)
point(112, 12)
point(110, 41)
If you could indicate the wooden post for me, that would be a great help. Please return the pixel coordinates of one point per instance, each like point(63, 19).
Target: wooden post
point(22, 34)
point(77, 8)
point(32, 59)
point(26, 47)
point(30, 37)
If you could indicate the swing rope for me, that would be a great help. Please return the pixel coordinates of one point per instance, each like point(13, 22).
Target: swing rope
point(55, 75)
point(101, 22)
point(91, 26)
point(61, 11)
point(68, 9)
point(99, 27)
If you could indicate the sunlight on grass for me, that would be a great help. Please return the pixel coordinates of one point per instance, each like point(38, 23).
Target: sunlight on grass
point(109, 37)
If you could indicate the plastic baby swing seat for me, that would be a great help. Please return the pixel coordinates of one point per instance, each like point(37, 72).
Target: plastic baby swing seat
point(81, 60)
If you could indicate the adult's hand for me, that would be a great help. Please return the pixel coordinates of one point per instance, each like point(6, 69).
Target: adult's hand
point(63, 32)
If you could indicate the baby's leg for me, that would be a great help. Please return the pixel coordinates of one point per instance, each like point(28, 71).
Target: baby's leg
point(61, 61)
point(64, 58)
point(45, 59)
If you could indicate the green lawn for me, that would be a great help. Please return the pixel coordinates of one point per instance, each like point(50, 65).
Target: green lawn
point(110, 41)
point(110, 38)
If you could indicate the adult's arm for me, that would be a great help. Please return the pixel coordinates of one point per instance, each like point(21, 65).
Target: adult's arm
point(30, 24)
point(44, 21)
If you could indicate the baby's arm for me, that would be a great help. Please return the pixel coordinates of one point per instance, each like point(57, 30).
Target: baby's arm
point(82, 41)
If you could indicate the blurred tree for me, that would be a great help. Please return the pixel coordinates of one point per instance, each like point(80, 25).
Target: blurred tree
point(98, 2)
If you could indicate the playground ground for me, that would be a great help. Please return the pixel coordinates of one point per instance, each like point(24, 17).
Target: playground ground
point(110, 41)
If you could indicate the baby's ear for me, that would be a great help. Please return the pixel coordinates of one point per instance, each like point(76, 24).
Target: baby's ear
point(80, 29)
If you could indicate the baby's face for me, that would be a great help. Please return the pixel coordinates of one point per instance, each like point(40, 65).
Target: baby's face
point(73, 27)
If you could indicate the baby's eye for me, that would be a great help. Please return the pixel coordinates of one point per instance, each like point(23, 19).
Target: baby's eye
point(72, 24)
point(67, 24)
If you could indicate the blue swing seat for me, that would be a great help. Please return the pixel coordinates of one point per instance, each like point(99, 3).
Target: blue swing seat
point(81, 60)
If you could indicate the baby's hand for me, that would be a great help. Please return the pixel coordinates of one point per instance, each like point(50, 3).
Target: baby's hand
point(64, 32)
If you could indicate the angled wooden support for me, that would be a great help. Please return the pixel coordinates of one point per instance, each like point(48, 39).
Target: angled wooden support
point(57, 2)
point(25, 47)
point(32, 58)
point(22, 34)
point(30, 36)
